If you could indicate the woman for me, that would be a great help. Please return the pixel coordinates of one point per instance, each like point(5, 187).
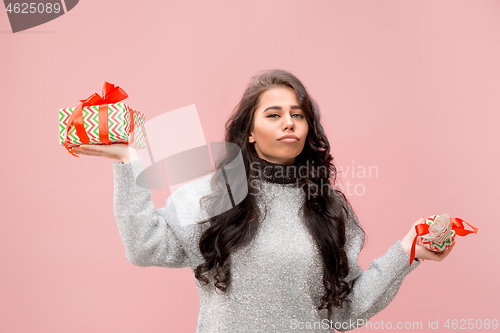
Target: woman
point(283, 259)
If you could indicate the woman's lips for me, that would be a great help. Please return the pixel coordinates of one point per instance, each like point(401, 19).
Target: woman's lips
point(288, 140)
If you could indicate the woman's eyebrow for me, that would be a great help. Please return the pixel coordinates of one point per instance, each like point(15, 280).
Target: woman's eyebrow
point(279, 107)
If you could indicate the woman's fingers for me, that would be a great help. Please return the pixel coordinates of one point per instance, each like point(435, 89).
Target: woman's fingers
point(420, 250)
point(407, 241)
point(114, 151)
point(419, 242)
point(420, 221)
point(86, 150)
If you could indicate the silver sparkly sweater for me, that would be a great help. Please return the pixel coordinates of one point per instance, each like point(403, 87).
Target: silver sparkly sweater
point(276, 283)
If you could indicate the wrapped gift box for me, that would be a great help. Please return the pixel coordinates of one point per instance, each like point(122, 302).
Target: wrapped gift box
point(438, 232)
point(118, 124)
point(102, 120)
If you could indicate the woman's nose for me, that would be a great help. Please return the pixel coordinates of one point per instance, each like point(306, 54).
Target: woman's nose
point(288, 122)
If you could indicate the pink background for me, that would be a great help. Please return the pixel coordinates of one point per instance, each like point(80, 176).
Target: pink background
point(409, 87)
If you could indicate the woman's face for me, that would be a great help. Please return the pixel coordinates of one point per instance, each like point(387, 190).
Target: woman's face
point(278, 114)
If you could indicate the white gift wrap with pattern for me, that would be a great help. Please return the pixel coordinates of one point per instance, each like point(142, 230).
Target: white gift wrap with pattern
point(441, 234)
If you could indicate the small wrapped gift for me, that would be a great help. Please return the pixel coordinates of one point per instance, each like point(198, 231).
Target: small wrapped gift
point(438, 233)
point(102, 120)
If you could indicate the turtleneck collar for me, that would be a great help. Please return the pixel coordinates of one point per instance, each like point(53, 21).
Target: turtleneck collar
point(276, 173)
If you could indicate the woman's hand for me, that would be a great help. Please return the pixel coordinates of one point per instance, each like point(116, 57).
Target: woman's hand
point(118, 151)
point(420, 251)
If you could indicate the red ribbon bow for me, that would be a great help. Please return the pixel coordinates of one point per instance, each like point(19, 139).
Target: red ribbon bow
point(456, 224)
point(110, 94)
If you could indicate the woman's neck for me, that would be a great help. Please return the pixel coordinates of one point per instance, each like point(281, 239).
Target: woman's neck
point(276, 173)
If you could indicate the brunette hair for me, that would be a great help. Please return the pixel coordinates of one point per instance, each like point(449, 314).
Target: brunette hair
point(325, 211)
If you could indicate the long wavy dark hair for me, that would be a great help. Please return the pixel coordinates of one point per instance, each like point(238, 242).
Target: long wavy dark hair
point(325, 210)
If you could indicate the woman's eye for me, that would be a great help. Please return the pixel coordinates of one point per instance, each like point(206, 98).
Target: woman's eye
point(274, 114)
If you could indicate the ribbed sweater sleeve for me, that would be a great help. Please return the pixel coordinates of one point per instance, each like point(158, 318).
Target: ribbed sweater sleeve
point(151, 237)
point(375, 288)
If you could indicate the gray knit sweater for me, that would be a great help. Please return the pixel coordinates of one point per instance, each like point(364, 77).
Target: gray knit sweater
point(276, 282)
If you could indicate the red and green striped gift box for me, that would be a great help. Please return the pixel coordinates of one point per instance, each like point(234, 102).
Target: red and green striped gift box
point(118, 124)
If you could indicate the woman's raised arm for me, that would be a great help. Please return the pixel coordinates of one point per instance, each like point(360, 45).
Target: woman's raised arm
point(151, 237)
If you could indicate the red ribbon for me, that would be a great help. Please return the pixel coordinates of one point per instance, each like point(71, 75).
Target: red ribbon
point(110, 94)
point(456, 224)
